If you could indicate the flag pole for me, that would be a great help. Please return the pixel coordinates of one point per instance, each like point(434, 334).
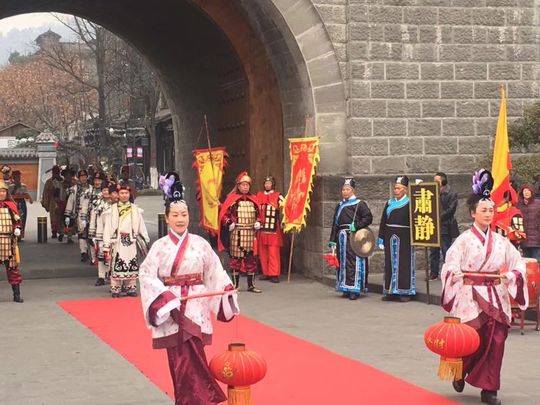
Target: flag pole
point(293, 237)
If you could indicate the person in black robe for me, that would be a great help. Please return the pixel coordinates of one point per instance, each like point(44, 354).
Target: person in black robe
point(395, 240)
point(351, 214)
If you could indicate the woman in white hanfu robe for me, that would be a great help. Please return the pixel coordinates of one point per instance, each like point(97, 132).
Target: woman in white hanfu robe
point(179, 265)
point(482, 270)
point(124, 224)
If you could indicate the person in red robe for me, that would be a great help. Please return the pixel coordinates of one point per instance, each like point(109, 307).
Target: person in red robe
point(270, 236)
point(239, 221)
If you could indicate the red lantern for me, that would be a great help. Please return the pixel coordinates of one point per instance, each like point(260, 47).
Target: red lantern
point(452, 340)
point(238, 368)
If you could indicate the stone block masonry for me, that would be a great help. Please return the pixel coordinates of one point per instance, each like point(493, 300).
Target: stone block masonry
point(423, 77)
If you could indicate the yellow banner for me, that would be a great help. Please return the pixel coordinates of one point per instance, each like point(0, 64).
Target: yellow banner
point(210, 165)
point(304, 154)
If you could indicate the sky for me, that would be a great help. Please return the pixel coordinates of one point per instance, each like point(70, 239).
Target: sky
point(33, 20)
point(19, 32)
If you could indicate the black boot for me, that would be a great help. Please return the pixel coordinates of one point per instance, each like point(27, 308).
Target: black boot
point(236, 280)
point(99, 281)
point(490, 397)
point(251, 287)
point(459, 385)
point(84, 257)
point(274, 279)
point(60, 238)
point(17, 293)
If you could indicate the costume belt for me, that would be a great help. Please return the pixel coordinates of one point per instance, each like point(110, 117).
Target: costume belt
point(479, 279)
point(184, 280)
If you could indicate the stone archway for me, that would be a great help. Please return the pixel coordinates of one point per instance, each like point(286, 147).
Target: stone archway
point(284, 52)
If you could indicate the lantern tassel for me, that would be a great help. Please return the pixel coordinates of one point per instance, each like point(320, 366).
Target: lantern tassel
point(239, 395)
point(450, 369)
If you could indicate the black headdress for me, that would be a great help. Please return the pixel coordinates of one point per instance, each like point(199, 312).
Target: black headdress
point(172, 187)
point(349, 181)
point(403, 180)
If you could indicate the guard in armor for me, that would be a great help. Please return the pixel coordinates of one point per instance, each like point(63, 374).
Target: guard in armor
point(239, 221)
point(270, 236)
point(10, 230)
point(77, 209)
point(351, 215)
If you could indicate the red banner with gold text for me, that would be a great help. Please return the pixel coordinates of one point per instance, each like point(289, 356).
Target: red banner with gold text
point(304, 154)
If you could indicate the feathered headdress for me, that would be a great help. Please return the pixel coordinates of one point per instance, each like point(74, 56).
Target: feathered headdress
point(172, 187)
point(482, 183)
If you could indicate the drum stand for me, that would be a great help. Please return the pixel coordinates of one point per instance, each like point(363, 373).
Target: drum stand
point(518, 313)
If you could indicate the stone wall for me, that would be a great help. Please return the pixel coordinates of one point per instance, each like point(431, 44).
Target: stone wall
point(423, 77)
point(422, 87)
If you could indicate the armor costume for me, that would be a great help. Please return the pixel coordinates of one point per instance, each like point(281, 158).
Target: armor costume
point(239, 221)
point(271, 236)
point(10, 230)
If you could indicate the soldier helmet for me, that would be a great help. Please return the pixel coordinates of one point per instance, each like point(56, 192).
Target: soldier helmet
point(243, 177)
point(270, 179)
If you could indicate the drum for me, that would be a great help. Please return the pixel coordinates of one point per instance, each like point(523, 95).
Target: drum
point(533, 280)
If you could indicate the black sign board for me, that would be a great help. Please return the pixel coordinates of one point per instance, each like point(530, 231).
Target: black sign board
point(425, 216)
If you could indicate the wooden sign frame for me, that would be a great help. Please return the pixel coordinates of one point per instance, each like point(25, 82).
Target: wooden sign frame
point(434, 215)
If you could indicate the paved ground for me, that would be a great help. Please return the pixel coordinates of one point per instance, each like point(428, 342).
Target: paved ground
point(46, 357)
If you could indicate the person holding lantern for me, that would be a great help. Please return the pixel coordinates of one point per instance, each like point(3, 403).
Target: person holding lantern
point(239, 220)
point(350, 215)
point(10, 230)
point(180, 265)
point(481, 272)
point(395, 240)
point(270, 236)
point(124, 230)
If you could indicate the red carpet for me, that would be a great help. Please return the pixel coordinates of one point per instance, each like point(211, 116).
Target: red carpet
point(298, 372)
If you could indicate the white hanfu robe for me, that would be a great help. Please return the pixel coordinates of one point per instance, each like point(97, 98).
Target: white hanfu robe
point(179, 266)
point(474, 251)
point(481, 301)
point(120, 240)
